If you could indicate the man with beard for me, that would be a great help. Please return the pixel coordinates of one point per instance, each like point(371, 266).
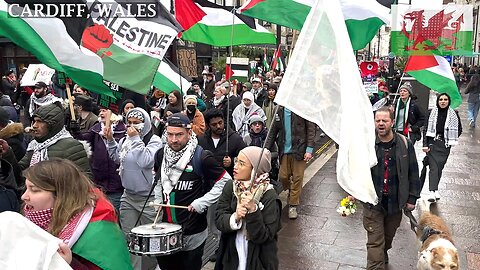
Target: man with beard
point(397, 184)
point(40, 97)
point(188, 176)
point(52, 140)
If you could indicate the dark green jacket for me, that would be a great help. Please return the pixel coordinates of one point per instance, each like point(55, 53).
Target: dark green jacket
point(303, 134)
point(67, 148)
point(262, 228)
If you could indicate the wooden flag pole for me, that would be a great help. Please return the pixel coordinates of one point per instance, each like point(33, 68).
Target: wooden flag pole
point(108, 121)
point(70, 101)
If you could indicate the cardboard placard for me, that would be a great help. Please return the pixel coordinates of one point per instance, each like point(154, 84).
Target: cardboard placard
point(37, 73)
point(187, 61)
point(371, 87)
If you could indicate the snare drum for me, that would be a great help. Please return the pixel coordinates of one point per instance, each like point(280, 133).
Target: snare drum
point(163, 239)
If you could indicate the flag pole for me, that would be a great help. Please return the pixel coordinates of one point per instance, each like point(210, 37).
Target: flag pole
point(229, 80)
point(398, 88)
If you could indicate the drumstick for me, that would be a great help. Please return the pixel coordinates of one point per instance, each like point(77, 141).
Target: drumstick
point(168, 205)
point(156, 218)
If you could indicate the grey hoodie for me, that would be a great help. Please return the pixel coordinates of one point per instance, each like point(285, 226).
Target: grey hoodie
point(136, 167)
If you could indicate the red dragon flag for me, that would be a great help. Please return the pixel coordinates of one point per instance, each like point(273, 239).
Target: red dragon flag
point(445, 31)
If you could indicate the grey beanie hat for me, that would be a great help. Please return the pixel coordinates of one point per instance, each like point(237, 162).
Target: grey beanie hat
point(407, 86)
point(253, 155)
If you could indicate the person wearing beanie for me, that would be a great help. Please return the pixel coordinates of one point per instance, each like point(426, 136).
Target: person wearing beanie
point(244, 111)
point(195, 116)
point(83, 106)
point(126, 105)
point(441, 133)
point(52, 140)
point(409, 118)
point(135, 155)
point(248, 215)
point(13, 134)
point(188, 176)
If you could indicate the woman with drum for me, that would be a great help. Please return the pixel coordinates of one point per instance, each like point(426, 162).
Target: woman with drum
point(248, 215)
point(62, 200)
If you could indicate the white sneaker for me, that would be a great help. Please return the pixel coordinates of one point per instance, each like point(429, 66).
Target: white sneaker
point(437, 195)
point(431, 197)
point(292, 212)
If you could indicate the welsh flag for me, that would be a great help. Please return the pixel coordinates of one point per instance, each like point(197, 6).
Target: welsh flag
point(277, 63)
point(126, 51)
point(444, 31)
point(208, 23)
point(363, 18)
point(168, 78)
point(434, 72)
point(266, 67)
point(102, 242)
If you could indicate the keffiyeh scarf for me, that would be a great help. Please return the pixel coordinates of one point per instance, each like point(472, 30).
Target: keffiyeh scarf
point(174, 163)
point(259, 186)
point(72, 230)
point(40, 150)
point(217, 101)
point(450, 133)
point(38, 102)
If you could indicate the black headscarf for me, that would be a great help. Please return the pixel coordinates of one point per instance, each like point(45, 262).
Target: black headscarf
point(442, 114)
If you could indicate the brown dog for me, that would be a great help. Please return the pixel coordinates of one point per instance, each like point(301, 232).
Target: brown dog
point(437, 251)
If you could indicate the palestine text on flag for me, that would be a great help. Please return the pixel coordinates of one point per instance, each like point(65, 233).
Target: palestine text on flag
point(212, 24)
point(322, 84)
point(363, 18)
point(434, 72)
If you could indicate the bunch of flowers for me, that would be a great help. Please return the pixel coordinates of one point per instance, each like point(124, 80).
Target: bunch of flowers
point(347, 206)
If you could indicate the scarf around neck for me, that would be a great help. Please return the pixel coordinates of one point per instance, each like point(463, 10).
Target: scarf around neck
point(450, 131)
point(404, 125)
point(174, 163)
point(43, 101)
point(72, 230)
point(217, 101)
point(40, 150)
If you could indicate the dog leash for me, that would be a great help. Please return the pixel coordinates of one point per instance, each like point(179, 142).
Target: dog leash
point(413, 221)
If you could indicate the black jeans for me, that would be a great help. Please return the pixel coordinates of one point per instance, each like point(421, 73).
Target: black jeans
point(183, 260)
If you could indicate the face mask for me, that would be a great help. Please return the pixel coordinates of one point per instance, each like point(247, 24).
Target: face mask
point(138, 127)
point(191, 108)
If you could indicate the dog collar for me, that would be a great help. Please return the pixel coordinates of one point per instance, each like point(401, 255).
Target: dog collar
point(427, 232)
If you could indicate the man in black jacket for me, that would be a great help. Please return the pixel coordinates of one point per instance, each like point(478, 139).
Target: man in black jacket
point(215, 140)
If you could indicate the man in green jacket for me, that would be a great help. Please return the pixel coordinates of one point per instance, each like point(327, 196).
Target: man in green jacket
point(52, 140)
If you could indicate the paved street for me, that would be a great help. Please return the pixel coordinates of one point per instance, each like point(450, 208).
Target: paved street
point(321, 239)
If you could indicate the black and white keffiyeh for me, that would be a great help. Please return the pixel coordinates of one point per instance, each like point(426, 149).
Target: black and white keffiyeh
point(450, 133)
point(174, 163)
point(40, 150)
point(43, 101)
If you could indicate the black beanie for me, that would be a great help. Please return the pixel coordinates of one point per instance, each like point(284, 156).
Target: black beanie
point(4, 117)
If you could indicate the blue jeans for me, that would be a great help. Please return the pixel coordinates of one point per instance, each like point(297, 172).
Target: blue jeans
point(473, 108)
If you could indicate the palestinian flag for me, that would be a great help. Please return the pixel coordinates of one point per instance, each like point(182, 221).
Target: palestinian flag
point(446, 31)
point(266, 66)
point(208, 23)
point(363, 18)
point(277, 63)
point(102, 242)
point(125, 51)
point(168, 78)
point(434, 72)
point(237, 69)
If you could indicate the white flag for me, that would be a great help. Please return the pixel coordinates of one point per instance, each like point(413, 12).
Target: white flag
point(322, 84)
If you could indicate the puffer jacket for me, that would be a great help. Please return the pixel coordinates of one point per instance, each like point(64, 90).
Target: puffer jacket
point(67, 148)
point(13, 134)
